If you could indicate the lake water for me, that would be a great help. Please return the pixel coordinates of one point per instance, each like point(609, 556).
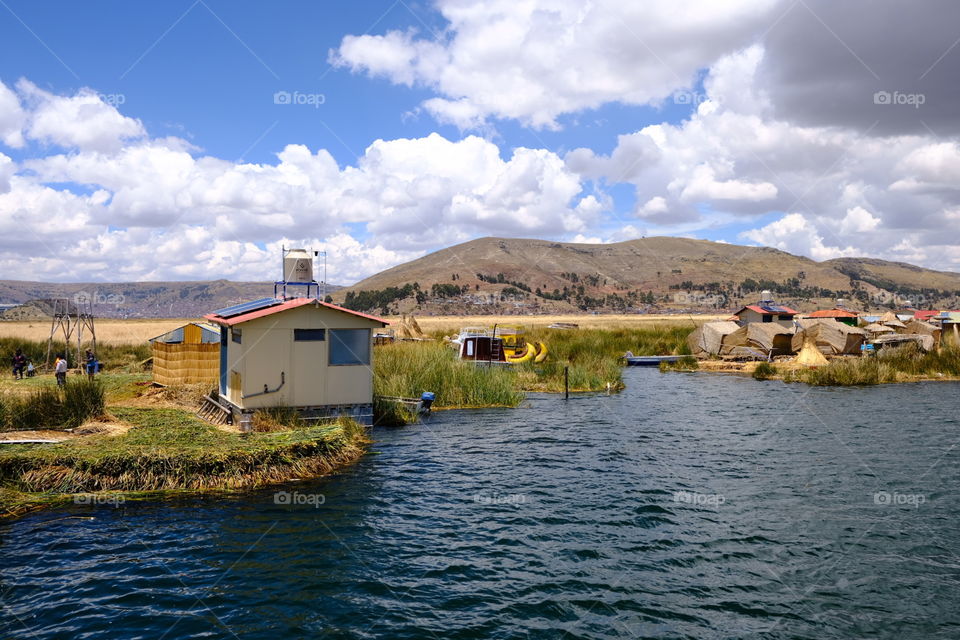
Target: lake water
point(690, 505)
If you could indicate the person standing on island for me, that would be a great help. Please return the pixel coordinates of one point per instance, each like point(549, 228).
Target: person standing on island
point(19, 364)
point(61, 370)
point(91, 364)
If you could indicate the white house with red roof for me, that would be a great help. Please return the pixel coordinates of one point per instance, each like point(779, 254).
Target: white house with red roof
point(301, 353)
point(765, 312)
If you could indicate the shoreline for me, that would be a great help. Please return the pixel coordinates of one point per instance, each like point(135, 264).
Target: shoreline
point(169, 451)
point(747, 368)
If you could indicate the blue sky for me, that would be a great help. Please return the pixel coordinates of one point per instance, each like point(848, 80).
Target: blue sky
point(188, 92)
point(208, 72)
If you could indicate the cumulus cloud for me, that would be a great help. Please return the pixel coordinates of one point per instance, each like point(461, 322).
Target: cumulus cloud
point(838, 191)
point(795, 234)
point(83, 121)
point(785, 143)
point(7, 169)
point(154, 208)
point(533, 61)
point(12, 118)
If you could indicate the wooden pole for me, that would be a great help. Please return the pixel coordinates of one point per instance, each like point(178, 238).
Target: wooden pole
point(566, 383)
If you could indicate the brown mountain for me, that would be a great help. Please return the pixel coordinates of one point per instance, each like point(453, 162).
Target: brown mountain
point(679, 272)
point(133, 299)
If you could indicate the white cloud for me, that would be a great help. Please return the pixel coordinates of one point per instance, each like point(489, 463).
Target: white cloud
point(82, 121)
point(148, 208)
point(12, 118)
point(703, 185)
point(156, 208)
point(846, 193)
point(858, 220)
point(931, 167)
point(535, 60)
point(795, 234)
point(655, 205)
point(7, 169)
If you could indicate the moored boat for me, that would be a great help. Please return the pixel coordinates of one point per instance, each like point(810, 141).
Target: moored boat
point(649, 361)
point(505, 345)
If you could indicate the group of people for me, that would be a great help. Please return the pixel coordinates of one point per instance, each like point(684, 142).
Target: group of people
point(23, 366)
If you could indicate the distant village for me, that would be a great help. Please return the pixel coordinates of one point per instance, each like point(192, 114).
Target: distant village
point(766, 329)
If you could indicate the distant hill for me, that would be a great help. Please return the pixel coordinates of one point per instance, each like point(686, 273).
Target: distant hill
point(650, 273)
point(132, 299)
point(506, 276)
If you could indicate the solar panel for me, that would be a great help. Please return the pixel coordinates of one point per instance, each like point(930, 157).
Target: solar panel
point(773, 308)
point(246, 307)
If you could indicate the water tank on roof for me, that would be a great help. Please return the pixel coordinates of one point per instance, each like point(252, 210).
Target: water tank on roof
point(841, 303)
point(766, 296)
point(298, 266)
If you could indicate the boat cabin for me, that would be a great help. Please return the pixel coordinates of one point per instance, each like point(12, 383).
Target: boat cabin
point(481, 346)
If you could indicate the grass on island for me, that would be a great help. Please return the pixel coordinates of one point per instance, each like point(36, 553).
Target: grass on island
point(764, 371)
point(52, 407)
point(592, 357)
point(127, 357)
point(686, 363)
point(171, 450)
point(407, 369)
point(898, 364)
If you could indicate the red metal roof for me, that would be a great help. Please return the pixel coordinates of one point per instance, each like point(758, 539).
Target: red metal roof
point(780, 309)
point(924, 315)
point(833, 313)
point(284, 306)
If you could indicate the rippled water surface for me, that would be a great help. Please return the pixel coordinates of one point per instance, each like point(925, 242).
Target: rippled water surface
point(690, 505)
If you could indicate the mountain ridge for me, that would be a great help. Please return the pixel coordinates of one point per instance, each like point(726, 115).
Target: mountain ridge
point(528, 275)
point(662, 265)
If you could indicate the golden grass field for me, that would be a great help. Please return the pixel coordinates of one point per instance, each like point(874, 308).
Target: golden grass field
point(108, 330)
point(115, 331)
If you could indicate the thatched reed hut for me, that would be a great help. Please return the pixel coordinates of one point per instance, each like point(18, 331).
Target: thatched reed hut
point(187, 355)
point(830, 337)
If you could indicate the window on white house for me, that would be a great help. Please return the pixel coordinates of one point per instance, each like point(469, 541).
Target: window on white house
point(309, 335)
point(349, 346)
